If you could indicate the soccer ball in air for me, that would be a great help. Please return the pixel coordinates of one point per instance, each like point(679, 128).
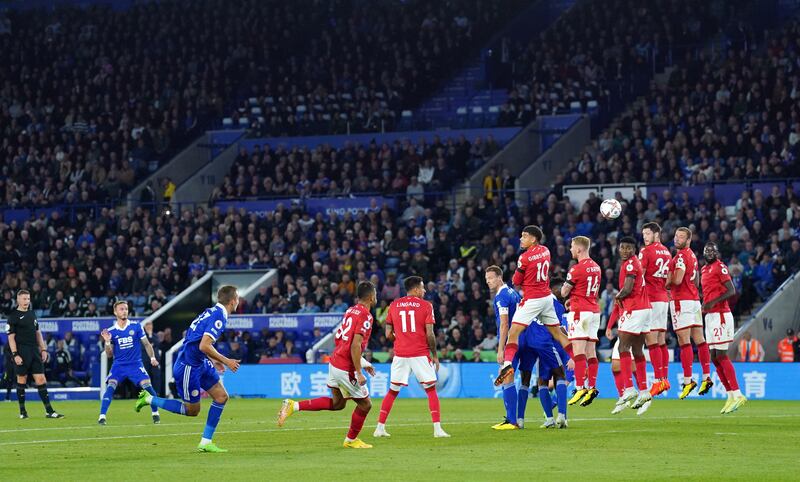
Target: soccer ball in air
point(611, 209)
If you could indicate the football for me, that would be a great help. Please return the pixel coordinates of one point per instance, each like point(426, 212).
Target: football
point(611, 209)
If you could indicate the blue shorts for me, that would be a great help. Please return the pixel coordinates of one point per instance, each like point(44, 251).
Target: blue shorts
point(133, 372)
point(525, 359)
point(549, 359)
point(189, 380)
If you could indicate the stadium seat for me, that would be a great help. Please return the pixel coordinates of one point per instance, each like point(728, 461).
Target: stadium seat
point(476, 117)
point(227, 123)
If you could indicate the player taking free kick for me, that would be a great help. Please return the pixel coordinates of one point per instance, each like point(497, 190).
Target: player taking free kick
point(410, 324)
point(194, 370)
point(345, 378)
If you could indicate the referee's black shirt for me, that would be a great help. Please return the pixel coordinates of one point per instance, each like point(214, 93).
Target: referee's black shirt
point(23, 325)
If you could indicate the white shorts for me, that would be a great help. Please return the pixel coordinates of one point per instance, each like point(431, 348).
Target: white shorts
point(719, 330)
point(349, 386)
point(634, 322)
point(659, 312)
point(685, 314)
point(420, 366)
point(539, 309)
point(615, 351)
point(585, 328)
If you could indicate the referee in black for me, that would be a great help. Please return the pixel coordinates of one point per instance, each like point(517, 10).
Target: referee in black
point(28, 352)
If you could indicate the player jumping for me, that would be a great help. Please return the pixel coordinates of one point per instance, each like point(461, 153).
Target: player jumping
point(410, 325)
point(717, 288)
point(345, 378)
point(633, 322)
point(655, 260)
point(685, 308)
point(194, 370)
point(582, 286)
point(120, 341)
point(533, 275)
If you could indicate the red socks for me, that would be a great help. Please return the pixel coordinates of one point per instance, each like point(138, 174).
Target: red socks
point(664, 361)
point(510, 352)
point(316, 404)
point(433, 403)
point(687, 357)
point(730, 372)
point(655, 360)
point(356, 423)
point(593, 366)
point(626, 369)
point(721, 375)
point(618, 381)
point(386, 406)
point(705, 358)
point(641, 372)
point(580, 371)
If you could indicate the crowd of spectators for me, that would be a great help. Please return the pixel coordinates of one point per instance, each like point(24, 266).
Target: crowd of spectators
point(370, 60)
point(94, 99)
point(598, 50)
point(401, 167)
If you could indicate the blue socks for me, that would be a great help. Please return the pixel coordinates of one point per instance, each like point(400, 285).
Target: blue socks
point(170, 405)
point(107, 397)
point(510, 401)
point(522, 400)
point(214, 414)
point(546, 401)
point(561, 396)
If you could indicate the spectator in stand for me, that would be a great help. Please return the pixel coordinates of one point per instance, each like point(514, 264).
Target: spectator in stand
point(786, 347)
point(750, 349)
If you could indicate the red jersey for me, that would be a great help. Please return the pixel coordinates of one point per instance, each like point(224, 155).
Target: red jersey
point(655, 260)
point(686, 290)
point(713, 278)
point(637, 300)
point(356, 321)
point(408, 316)
point(584, 276)
point(533, 273)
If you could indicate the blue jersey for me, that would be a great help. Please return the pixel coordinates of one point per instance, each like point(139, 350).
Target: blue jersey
point(505, 303)
point(210, 322)
point(127, 343)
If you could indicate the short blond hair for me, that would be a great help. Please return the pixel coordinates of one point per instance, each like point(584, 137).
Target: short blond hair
point(226, 294)
point(685, 230)
point(582, 241)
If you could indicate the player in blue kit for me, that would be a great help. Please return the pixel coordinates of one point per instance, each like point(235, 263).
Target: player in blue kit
point(506, 300)
point(194, 370)
point(122, 342)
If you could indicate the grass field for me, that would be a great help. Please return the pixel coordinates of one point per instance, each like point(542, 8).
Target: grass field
point(675, 439)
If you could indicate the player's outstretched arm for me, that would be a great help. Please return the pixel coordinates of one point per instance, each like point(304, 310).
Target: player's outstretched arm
point(107, 343)
point(207, 347)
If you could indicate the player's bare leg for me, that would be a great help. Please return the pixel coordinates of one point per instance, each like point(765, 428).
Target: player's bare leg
point(579, 348)
point(704, 355)
point(592, 366)
point(334, 403)
point(687, 358)
point(363, 406)
point(512, 346)
point(727, 375)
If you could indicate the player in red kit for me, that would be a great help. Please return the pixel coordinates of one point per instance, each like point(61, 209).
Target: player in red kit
point(655, 258)
point(533, 275)
point(410, 324)
point(345, 378)
point(633, 323)
point(685, 308)
point(583, 319)
point(717, 288)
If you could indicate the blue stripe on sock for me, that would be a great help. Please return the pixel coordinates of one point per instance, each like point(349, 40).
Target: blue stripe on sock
point(561, 396)
point(546, 400)
point(522, 401)
point(108, 396)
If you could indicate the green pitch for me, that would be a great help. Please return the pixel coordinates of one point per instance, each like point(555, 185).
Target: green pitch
point(675, 439)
